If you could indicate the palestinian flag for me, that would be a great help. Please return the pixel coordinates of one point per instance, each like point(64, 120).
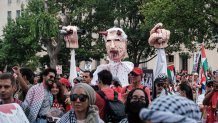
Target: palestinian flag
point(171, 73)
point(204, 69)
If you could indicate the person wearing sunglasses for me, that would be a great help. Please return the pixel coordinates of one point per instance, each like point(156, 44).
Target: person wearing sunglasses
point(161, 85)
point(84, 110)
point(39, 99)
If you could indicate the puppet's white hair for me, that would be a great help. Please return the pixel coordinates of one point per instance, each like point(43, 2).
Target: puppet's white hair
point(123, 34)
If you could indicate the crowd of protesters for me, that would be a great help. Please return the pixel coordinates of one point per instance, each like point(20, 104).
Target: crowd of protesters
point(115, 92)
point(52, 99)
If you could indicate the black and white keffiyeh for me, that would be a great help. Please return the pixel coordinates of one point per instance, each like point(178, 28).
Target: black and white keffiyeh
point(168, 109)
point(69, 117)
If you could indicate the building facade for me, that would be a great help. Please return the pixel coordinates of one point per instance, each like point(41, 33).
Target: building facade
point(180, 60)
point(9, 9)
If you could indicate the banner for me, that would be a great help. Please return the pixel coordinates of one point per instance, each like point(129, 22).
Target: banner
point(59, 69)
point(196, 62)
point(148, 78)
point(88, 65)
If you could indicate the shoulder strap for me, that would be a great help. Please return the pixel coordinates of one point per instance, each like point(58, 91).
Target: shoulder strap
point(126, 88)
point(102, 94)
point(144, 87)
point(115, 96)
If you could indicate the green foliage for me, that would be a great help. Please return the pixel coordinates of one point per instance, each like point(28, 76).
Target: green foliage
point(17, 46)
point(187, 21)
point(190, 22)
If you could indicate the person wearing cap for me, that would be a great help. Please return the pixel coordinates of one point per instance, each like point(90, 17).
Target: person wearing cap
point(136, 76)
point(161, 84)
point(66, 86)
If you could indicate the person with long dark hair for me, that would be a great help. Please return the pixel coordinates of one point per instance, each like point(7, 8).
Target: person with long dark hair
point(59, 106)
point(185, 90)
point(58, 96)
point(136, 100)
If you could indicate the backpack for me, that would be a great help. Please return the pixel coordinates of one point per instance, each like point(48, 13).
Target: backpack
point(114, 110)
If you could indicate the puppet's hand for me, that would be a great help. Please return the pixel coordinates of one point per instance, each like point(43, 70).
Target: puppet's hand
point(71, 36)
point(158, 36)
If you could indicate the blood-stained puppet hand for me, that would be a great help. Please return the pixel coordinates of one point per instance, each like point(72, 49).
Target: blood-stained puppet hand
point(159, 37)
point(70, 36)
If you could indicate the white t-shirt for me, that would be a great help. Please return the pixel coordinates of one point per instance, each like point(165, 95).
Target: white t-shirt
point(80, 121)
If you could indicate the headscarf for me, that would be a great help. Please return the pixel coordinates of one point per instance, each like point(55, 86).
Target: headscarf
point(92, 114)
point(88, 90)
point(174, 108)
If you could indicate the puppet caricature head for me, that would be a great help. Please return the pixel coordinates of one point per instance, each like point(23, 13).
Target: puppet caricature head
point(70, 36)
point(116, 44)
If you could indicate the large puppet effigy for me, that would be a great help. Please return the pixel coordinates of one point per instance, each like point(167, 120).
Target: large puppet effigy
point(116, 45)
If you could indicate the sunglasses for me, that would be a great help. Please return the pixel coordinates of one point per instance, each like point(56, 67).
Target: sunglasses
point(161, 84)
point(82, 97)
point(133, 74)
point(141, 99)
point(51, 77)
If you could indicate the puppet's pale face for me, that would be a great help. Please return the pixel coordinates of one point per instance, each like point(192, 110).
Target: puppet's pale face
point(116, 48)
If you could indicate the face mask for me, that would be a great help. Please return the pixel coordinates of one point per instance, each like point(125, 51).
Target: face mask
point(136, 106)
point(134, 109)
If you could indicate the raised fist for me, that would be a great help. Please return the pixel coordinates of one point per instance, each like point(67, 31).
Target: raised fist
point(159, 37)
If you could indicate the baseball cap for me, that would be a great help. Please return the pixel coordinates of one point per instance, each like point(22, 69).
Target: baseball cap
point(195, 74)
point(161, 78)
point(137, 71)
point(65, 82)
point(209, 82)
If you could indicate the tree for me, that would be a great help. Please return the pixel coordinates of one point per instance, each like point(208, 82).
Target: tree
point(187, 21)
point(17, 46)
point(98, 15)
point(36, 30)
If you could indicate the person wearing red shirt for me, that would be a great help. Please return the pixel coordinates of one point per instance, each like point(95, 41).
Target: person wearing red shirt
point(116, 86)
point(210, 100)
point(136, 76)
point(104, 82)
